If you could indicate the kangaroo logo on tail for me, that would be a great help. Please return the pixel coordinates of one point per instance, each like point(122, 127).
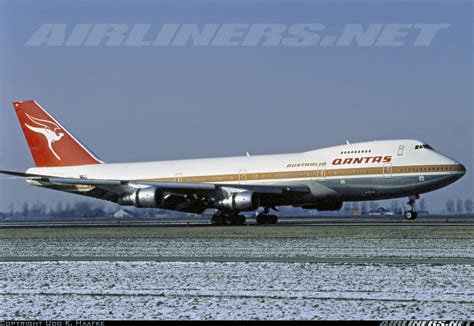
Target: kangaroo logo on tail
point(48, 129)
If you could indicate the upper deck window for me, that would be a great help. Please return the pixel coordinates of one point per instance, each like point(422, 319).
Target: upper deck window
point(359, 151)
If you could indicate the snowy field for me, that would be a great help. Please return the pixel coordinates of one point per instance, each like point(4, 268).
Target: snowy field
point(63, 287)
point(187, 290)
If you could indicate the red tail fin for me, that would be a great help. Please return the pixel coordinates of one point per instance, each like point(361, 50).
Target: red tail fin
point(50, 143)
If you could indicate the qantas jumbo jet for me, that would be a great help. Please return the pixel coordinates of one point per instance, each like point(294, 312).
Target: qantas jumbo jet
point(319, 179)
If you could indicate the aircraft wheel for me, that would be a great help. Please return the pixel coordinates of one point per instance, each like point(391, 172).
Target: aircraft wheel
point(267, 219)
point(217, 219)
point(410, 215)
point(272, 219)
point(229, 220)
point(240, 220)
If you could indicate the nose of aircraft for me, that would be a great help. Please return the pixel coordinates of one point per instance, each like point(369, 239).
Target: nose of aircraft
point(459, 170)
point(456, 167)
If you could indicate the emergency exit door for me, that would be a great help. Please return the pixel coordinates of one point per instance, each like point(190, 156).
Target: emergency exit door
point(387, 170)
point(243, 176)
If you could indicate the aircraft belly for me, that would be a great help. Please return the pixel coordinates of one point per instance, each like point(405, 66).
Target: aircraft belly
point(372, 188)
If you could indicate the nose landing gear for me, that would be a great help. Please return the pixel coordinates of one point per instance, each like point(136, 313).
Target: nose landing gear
point(410, 212)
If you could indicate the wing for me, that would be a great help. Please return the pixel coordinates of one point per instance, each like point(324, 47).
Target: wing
point(179, 196)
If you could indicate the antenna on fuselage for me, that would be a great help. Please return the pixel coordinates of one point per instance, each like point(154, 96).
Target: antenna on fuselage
point(347, 142)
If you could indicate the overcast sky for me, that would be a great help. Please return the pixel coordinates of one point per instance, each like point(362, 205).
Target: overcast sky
point(158, 103)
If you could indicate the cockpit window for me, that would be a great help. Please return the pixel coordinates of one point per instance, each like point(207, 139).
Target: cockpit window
point(424, 146)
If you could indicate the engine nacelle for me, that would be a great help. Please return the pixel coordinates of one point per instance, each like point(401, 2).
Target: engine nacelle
point(333, 205)
point(240, 201)
point(149, 197)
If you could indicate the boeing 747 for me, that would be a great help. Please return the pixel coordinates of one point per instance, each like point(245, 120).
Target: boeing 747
point(321, 179)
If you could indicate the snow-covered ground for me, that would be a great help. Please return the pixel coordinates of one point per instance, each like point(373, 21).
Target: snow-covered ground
point(248, 284)
point(234, 290)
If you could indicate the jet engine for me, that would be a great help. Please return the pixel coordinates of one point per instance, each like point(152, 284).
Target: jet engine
point(145, 197)
point(240, 201)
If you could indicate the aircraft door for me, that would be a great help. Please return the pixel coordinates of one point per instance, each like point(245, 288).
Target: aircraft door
point(321, 173)
point(387, 170)
point(243, 177)
point(400, 150)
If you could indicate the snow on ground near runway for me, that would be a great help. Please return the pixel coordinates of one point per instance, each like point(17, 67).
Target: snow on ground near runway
point(234, 290)
point(240, 247)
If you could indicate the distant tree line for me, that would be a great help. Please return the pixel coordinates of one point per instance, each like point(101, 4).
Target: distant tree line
point(80, 209)
point(365, 207)
point(40, 210)
point(459, 206)
point(396, 206)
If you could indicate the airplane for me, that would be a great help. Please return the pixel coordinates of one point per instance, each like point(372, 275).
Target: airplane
point(321, 179)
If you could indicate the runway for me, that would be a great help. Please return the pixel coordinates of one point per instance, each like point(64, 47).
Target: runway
point(315, 270)
point(434, 220)
point(315, 260)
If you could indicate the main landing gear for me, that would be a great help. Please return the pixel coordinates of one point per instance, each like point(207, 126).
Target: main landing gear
point(227, 218)
point(410, 212)
point(234, 218)
point(266, 218)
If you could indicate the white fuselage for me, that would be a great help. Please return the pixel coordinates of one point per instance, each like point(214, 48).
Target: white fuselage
point(367, 170)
